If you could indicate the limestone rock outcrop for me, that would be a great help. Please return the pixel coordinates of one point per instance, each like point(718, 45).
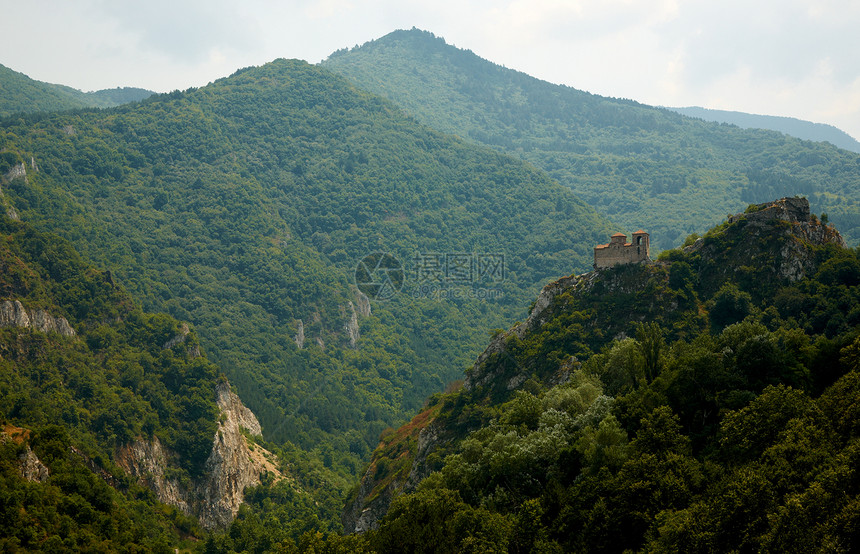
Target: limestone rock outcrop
point(232, 465)
point(300, 334)
point(148, 461)
point(180, 338)
point(362, 304)
point(777, 237)
point(369, 506)
point(537, 317)
point(18, 171)
point(351, 325)
point(31, 467)
point(13, 314)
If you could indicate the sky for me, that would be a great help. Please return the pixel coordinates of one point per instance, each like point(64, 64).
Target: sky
point(795, 58)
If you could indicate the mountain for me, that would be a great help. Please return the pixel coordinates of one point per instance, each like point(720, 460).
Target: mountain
point(642, 167)
point(21, 94)
point(799, 128)
point(705, 401)
point(116, 431)
point(278, 211)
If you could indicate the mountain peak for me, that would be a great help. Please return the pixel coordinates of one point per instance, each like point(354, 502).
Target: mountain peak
point(639, 165)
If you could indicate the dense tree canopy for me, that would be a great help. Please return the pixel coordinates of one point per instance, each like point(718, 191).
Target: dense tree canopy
point(723, 423)
point(75, 399)
point(244, 207)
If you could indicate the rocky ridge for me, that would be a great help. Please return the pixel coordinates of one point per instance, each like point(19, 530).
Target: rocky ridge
point(412, 443)
point(779, 236)
point(776, 238)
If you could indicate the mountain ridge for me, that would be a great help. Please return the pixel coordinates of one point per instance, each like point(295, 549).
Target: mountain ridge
point(571, 327)
point(21, 94)
point(799, 128)
point(244, 207)
point(640, 166)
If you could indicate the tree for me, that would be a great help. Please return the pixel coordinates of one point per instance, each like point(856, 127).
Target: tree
point(437, 520)
point(650, 341)
point(730, 305)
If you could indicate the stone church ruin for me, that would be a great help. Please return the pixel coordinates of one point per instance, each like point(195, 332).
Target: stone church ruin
point(619, 251)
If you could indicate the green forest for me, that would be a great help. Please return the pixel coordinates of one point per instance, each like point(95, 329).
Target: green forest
point(243, 208)
point(712, 415)
point(75, 399)
point(702, 402)
point(790, 126)
point(640, 166)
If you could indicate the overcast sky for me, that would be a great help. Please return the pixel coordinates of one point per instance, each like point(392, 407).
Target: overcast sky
point(797, 58)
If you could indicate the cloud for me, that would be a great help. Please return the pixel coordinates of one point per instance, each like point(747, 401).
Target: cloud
point(791, 57)
point(786, 39)
point(189, 31)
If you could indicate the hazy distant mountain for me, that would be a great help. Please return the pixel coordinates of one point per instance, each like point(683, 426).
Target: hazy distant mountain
point(21, 94)
point(799, 128)
point(642, 166)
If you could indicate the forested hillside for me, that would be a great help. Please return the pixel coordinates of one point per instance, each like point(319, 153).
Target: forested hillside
point(83, 371)
point(244, 207)
point(703, 403)
point(642, 167)
point(21, 94)
point(88, 381)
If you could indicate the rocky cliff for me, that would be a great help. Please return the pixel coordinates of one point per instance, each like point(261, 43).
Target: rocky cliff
point(773, 241)
point(31, 467)
point(182, 337)
point(233, 465)
point(300, 334)
point(351, 325)
point(17, 171)
point(13, 314)
point(399, 464)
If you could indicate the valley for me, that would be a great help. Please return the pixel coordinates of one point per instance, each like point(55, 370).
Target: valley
point(353, 307)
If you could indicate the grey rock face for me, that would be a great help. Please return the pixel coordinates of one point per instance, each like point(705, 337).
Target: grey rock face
point(363, 304)
point(231, 466)
point(351, 325)
point(13, 314)
point(31, 467)
point(300, 335)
